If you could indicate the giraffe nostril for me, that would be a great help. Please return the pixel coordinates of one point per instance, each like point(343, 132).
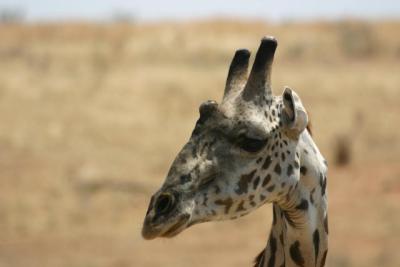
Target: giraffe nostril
point(164, 203)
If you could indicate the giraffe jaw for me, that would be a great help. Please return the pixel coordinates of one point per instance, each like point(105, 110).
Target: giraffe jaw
point(178, 227)
point(170, 230)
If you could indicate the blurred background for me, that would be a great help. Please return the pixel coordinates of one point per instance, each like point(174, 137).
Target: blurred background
point(97, 97)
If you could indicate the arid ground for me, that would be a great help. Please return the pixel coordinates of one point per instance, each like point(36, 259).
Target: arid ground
point(93, 115)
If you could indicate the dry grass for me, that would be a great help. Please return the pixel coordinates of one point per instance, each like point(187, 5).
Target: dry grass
point(92, 115)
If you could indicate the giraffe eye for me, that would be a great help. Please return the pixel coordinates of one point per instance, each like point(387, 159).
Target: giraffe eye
point(251, 144)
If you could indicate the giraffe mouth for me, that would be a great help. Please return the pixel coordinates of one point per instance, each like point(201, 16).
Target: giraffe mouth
point(178, 227)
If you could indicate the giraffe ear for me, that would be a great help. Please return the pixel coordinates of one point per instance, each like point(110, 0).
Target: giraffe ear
point(294, 115)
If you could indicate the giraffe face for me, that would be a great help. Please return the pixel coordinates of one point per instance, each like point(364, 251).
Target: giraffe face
point(241, 154)
point(237, 159)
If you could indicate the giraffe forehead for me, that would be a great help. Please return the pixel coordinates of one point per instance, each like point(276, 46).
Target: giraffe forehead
point(239, 113)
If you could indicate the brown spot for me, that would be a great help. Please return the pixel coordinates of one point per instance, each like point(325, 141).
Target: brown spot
point(285, 142)
point(278, 169)
point(271, 188)
point(225, 202)
point(296, 255)
point(303, 205)
point(262, 197)
point(322, 181)
point(266, 180)
point(303, 170)
point(289, 170)
point(240, 207)
point(243, 184)
point(316, 243)
point(273, 246)
point(267, 163)
point(256, 182)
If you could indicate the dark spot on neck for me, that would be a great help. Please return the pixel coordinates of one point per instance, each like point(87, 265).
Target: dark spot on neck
point(267, 163)
point(296, 255)
point(322, 182)
point(266, 180)
point(303, 170)
point(303, 205)
point(289, 170)
point(273, 246)
point(278, 169)
point(271, 188)
point(316, 243)
point(256, 182)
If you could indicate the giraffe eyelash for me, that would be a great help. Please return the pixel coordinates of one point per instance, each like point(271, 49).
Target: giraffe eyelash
point(251, 145)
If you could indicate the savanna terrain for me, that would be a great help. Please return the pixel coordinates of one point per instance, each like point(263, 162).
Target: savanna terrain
point(91, 116)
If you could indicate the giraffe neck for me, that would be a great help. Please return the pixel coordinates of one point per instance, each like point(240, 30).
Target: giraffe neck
point(299, 232)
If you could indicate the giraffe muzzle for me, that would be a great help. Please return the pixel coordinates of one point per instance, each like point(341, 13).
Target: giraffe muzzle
point(164, 218)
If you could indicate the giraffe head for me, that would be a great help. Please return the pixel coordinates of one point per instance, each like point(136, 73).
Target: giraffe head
point(242, 153)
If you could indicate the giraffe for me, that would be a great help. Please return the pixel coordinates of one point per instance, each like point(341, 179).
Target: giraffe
point(252, 148)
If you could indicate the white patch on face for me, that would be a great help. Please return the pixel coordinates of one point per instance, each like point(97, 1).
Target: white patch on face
point(188, 169)
point(189, 207)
